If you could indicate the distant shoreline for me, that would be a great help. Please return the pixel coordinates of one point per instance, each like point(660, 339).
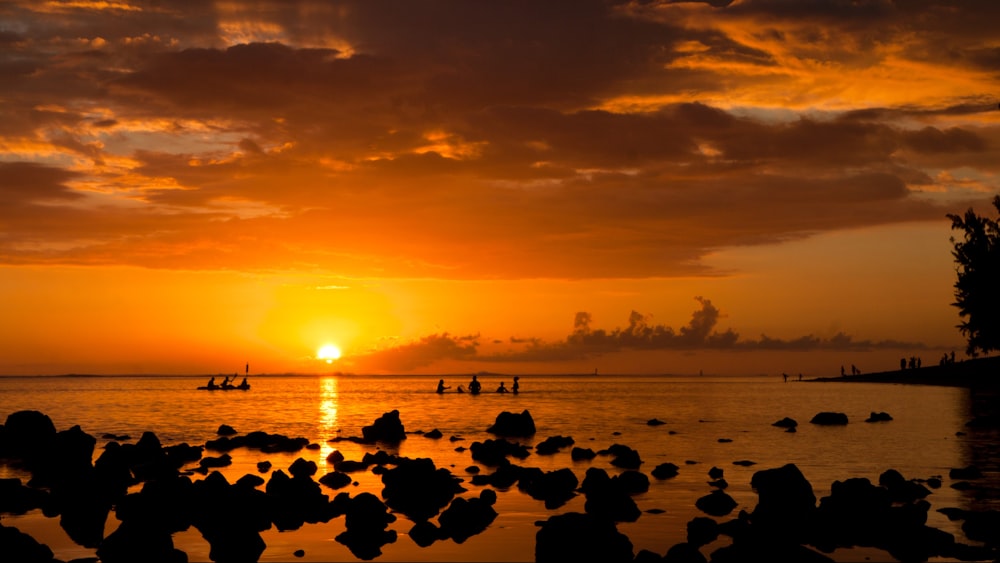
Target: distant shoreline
point(979, 372)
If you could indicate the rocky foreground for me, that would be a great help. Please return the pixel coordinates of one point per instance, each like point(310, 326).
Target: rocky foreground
point(787, 524)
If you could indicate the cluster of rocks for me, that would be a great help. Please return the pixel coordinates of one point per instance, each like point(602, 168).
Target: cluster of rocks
point(787, 524)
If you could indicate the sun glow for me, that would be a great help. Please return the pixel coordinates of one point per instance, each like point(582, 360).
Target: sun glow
point(328, 353)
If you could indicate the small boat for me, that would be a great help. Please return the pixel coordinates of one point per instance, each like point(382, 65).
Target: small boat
point(240, 387)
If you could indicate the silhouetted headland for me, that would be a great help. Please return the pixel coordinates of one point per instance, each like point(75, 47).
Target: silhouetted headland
point(979, 372)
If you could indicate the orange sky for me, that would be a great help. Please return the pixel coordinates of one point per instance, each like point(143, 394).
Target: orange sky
point(754, 186)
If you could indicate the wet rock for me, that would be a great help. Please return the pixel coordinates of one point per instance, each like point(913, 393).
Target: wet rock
point(772, 550)
point(665, 471)
point(26, 435)
point(716, 503)
point(465, 518)
point(607, 497)
point(335, 480)
point(302, 468)
point(719, 484)
point(684, 553)
point(211, 462)
point(263, 466)
point(15, 498)
point(878, 417)
point(744, 462)
point(624, 456)
point(495, 452)
point(335, 457)
point(655, 422)
point(424, 533)
point(513, 424)
point(250, 481)
point(553, 444)
point(225, 430)
point(505, 476)
point(555, 488)
point(582, 454)
point(133, 541)
point(418, 489)
point(581, 537)
point(20, 547)
point(434, 434)
point(715, 472)
point(901, 490)
point(366, 520)
point(230, 517)
point(970, 472)
point(786, 423)
point(387, 428)
point(294, 501)
point(786, 502)
point(632, 482)
point(827, 418)
point(983, 526)
point(702, 531)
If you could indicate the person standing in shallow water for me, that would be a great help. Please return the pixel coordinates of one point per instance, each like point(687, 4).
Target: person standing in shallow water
point(501, 389)
point(442, 386)
point(475, 386)
point(514, 389)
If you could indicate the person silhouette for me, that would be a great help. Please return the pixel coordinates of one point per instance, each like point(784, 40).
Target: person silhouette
point(501, 389)
point(211, 383)
point(475, 386)
point(442, 386)
point(243, 384)
point(517, 386)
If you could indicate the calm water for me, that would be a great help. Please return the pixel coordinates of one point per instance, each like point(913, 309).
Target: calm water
point(926, 438)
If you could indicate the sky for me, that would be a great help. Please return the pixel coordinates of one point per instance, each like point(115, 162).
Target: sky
point(518, 187)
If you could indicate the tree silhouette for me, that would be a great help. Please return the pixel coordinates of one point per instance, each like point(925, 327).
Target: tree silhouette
point(977, 290)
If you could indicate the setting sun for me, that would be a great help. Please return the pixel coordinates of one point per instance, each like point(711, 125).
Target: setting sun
point(328, 353)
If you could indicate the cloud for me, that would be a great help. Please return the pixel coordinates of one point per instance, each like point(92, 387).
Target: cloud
point(586, 342)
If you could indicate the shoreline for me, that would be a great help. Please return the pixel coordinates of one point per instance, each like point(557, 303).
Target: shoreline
point(973, 373)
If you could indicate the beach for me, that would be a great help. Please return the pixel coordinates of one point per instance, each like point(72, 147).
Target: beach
point(719, 433)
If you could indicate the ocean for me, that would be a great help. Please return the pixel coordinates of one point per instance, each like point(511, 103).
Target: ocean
point(709, 421)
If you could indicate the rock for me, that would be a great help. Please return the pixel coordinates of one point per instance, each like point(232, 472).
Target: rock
point(302, 468)
point(366, 520)
point(225, 430)
point(434, 434)
point(878, 417)
point(607, 497)
point(418, 489)
point(786, 502)
point(829, 418)
point(387, 428)
point(553, 487)
point(335, 480)
point(970, 472)
point(495, 452)
point(581, 537)
point(786, 423)
point(132, 542)
point(335, 457)
point(901, 490)
point(514, 425)
point(465, 518)
point(715, 472)
point(624, 456)
point(553, 444)
point(665, 471)
point(702, 531)
point(684, 553)
point(655, 422)
point(581, 454)
point(15, 498)
point(716, 503)
point(22, 548)
point(744, 462)
point(263, 466)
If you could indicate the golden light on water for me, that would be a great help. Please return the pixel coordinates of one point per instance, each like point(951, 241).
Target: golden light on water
point(328, 353)
point(328, 406)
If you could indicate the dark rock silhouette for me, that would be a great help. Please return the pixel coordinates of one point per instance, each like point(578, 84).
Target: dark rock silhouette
point(624, 456)
point(829, 418)
point(513, 424)
point(878, 417)
point(418, 489)
point(655, 422)
point(786, 423)
point(495, 452)
point(366, 520)
point(20, 547)
point(608, 497)
point(555, 488)
point(465, 518)
point(665, 471)
point(716, 503)
point(581, 454)
point(335, 480)
point(702, 531)
point(581, 537)
point(386, 428)
point(553, 444)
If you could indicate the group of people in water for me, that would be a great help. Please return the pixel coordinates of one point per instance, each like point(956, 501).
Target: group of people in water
point(228, 384)
point(475, 387)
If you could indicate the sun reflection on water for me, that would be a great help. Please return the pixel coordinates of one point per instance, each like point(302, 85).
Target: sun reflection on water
point(329, 402)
